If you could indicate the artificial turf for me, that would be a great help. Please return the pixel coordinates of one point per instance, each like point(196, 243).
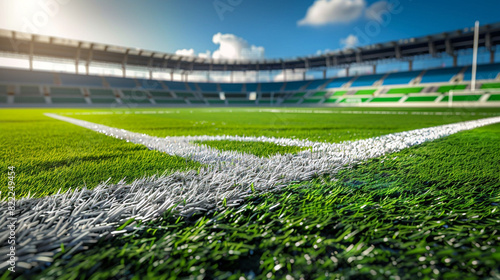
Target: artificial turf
point(299, 123)
point(260, 149)
point(49, 155)
point(427, 212)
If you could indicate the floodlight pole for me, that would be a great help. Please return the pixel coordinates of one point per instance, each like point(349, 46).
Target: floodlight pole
point(474, 56)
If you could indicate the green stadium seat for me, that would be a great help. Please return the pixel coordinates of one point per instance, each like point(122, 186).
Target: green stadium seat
point(494, 97)
point(405, 90)
point(196, 101)
point(421, 99)
point(68, 100)
point(490, 85)
point(339, 93)
point(30, 90)
point(29, 99)
point(103, 100)
point(354, 100)
point(311, 100)
point(242, 102)
point(184, 94)
point(291, 101)
point(3, 89)
point(319, 94)
point(462, 98)
point(101, 92)
point(448, 88)
point(58, 91)
point(299, 95)
point(216, 101)
point(331, 100)
point(385, 99)
point(170, 101)
point(365, 92)
point(162, 94)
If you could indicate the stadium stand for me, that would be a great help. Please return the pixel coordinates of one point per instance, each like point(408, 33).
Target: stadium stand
point(80, 80)
point(316, 84)
point(296, 85)
point(440, 75)
point(150, 84)
point(207, 87)
point(15, 76)
point(338, 82)
point(367, 80)
point(400, 78)
point(270, 87)
point(38, 87)
point(484, 72)
point(116, 82)
point(176, 85)
point(231, 87)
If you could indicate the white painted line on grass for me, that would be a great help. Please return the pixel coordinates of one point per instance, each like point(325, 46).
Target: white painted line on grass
point(80, 217)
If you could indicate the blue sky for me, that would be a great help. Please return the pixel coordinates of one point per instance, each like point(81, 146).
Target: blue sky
point(255, 28)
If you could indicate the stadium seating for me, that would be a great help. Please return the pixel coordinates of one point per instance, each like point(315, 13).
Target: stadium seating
point(316, 84)
point(16, 76)
point(150, 84)
point(270, 87)
point(30, 90)
point(251, 87)
point(68, 100)
point(338, 82)
point(176, 85)
point(365, 92)
point(101, 93)
point(385, 99)
point(405, 90)
point(38, 87)
point(121, 82)
point(448, 88)
point(296, 85)
point(80, 80)
point(440, 75)
point(207, 87)
point(421, 99)
point(368, 80)
point(484, 72)
point(400, 78)
point(231, 87)
point(494, 97)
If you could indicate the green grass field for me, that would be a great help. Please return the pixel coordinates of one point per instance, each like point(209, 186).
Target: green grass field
point(427, 212)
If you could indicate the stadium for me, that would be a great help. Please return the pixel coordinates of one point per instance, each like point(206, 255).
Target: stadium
point(367, 149)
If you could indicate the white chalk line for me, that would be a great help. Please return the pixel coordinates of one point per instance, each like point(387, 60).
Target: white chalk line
point(80, 217)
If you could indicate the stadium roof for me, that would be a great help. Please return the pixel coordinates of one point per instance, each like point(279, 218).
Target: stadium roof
point(404, 49)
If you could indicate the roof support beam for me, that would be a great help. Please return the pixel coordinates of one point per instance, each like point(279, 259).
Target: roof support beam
point(89, 59)
point(77, 57)
point(32, 50)
point(124, 63)
point(397, 51)
point(432, 48)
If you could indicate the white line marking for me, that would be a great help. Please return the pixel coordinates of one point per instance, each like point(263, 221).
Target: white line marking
point(79, 217)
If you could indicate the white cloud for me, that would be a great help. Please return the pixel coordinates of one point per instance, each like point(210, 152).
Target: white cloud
point(234, 47)
point(350, 42)
point(333, 11)
point(230, 47)
point(185, 52)
point(376, 10)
